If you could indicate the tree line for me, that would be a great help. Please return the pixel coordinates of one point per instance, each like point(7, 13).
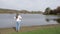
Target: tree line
point(49, 11)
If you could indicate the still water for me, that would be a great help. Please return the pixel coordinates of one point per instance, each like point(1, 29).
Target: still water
point(7, 20)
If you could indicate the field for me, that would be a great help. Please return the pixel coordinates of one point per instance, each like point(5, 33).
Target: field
point(45, 29)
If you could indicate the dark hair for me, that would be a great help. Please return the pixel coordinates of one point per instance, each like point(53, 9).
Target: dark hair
point(17, 16)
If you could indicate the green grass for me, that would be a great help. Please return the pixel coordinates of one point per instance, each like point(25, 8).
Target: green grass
point(54, 30)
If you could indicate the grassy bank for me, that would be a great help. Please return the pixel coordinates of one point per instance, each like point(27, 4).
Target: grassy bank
point(47, 29)
point(42, 31)
point(53, 30)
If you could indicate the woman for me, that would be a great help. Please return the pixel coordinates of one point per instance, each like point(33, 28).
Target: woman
point(18, 22)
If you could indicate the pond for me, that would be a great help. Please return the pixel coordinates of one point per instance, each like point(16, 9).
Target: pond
point(7, 20)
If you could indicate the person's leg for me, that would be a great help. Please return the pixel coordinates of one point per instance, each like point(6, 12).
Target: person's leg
point(16, 26)
point(19, 26)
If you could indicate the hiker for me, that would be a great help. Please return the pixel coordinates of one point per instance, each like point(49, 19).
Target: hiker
point(18, 22)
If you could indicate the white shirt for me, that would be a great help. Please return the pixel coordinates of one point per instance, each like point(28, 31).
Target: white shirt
point(19, 18)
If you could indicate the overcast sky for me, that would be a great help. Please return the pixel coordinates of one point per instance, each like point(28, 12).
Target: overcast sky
point(38, 5)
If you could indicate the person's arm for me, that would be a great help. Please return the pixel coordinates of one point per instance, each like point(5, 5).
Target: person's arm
point(20, 17)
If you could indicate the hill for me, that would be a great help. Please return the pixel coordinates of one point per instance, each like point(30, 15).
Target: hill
point(19, 11)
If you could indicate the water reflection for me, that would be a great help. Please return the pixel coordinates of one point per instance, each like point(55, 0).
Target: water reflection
point(47, 20)
point(57, 20)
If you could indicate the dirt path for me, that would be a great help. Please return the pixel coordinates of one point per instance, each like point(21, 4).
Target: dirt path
point(25, 29)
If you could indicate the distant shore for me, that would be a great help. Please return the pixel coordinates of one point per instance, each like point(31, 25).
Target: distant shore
point(19, 11)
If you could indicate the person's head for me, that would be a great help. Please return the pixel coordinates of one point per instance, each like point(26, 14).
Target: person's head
point(17, 15)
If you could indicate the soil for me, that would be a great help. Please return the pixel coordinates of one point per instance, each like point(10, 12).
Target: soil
point(26, 28)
